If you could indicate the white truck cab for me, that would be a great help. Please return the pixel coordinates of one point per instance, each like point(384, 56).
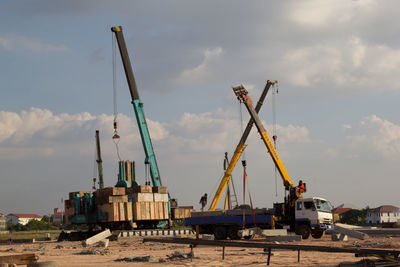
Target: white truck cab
point(313, 216)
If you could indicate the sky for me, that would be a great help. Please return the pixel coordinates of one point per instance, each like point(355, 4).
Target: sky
point(336, 102)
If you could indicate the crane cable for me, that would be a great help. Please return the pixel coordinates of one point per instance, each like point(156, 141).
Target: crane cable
point(275, 90)
point(115, 137)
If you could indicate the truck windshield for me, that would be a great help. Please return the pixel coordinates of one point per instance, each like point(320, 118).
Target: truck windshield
point(323, 205)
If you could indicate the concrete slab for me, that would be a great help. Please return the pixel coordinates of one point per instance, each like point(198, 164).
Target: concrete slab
point(263, 232)
point(350, 232)
point(274, 232)
point(339, 237)
point(96, 238)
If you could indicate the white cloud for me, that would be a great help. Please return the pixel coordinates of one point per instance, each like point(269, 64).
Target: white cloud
point(157, 130)
point(293, 134)
point(203, 70)
point(330, 154)
point(315, 13)
point(311, 66)
point(41, 130)
point(379, 136)
point(17, 42)
point(346, 126)
point(351, 62)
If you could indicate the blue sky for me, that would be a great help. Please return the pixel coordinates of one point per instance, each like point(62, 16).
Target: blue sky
point(337, 63)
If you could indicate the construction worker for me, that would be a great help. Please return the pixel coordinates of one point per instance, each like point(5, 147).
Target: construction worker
point(203, 201)
point(301, 188)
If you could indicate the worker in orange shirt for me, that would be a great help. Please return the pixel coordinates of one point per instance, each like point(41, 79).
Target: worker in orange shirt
point(301, 188)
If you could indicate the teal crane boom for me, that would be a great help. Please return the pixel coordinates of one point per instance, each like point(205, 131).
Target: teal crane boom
point(138, 108)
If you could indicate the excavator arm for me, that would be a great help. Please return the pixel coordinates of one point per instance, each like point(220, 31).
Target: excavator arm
point(242, 95)
point(239, 150)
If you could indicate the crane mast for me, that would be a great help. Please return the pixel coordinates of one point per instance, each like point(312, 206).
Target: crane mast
point(99, 161)
point(239, 150)
point(138, 108)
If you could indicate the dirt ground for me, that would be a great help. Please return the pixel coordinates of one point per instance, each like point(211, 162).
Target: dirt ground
point(73, 254)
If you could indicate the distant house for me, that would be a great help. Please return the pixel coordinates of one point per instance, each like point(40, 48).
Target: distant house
point(58, 216)
point(383, 214)
point(3, 226)
point(21, 218)
point(338, 213)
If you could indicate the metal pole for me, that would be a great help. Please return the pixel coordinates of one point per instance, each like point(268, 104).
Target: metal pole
point(223, 253)
point(269, 256)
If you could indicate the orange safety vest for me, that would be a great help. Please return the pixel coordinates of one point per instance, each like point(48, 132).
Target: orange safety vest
point(302, 188)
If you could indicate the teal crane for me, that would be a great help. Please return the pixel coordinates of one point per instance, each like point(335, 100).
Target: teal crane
point(140, 118)
point(138, 108)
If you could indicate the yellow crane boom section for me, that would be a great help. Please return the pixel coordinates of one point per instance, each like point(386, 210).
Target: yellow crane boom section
point(227, 175)
point(242, 94)
point(239, 150)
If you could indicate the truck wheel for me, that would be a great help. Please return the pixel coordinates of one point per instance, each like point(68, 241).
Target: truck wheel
point(317, 234)
point(233, 233)
point(305, 231)
point(220, 233)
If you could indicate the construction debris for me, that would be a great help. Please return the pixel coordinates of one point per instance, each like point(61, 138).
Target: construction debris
point(350, 232)
point(103, 243)
point(96, 238)
point(40, 248)
point(94, 252)
point(180, 256)
point(141, 259)
point(263, 232)
point(339, 237)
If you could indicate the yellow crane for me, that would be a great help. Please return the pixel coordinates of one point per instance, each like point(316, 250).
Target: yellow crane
point(239, 150)
point(242, 95)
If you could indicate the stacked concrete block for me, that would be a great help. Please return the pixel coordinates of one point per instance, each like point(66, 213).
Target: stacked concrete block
point(149, 203)
point(113, 204)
